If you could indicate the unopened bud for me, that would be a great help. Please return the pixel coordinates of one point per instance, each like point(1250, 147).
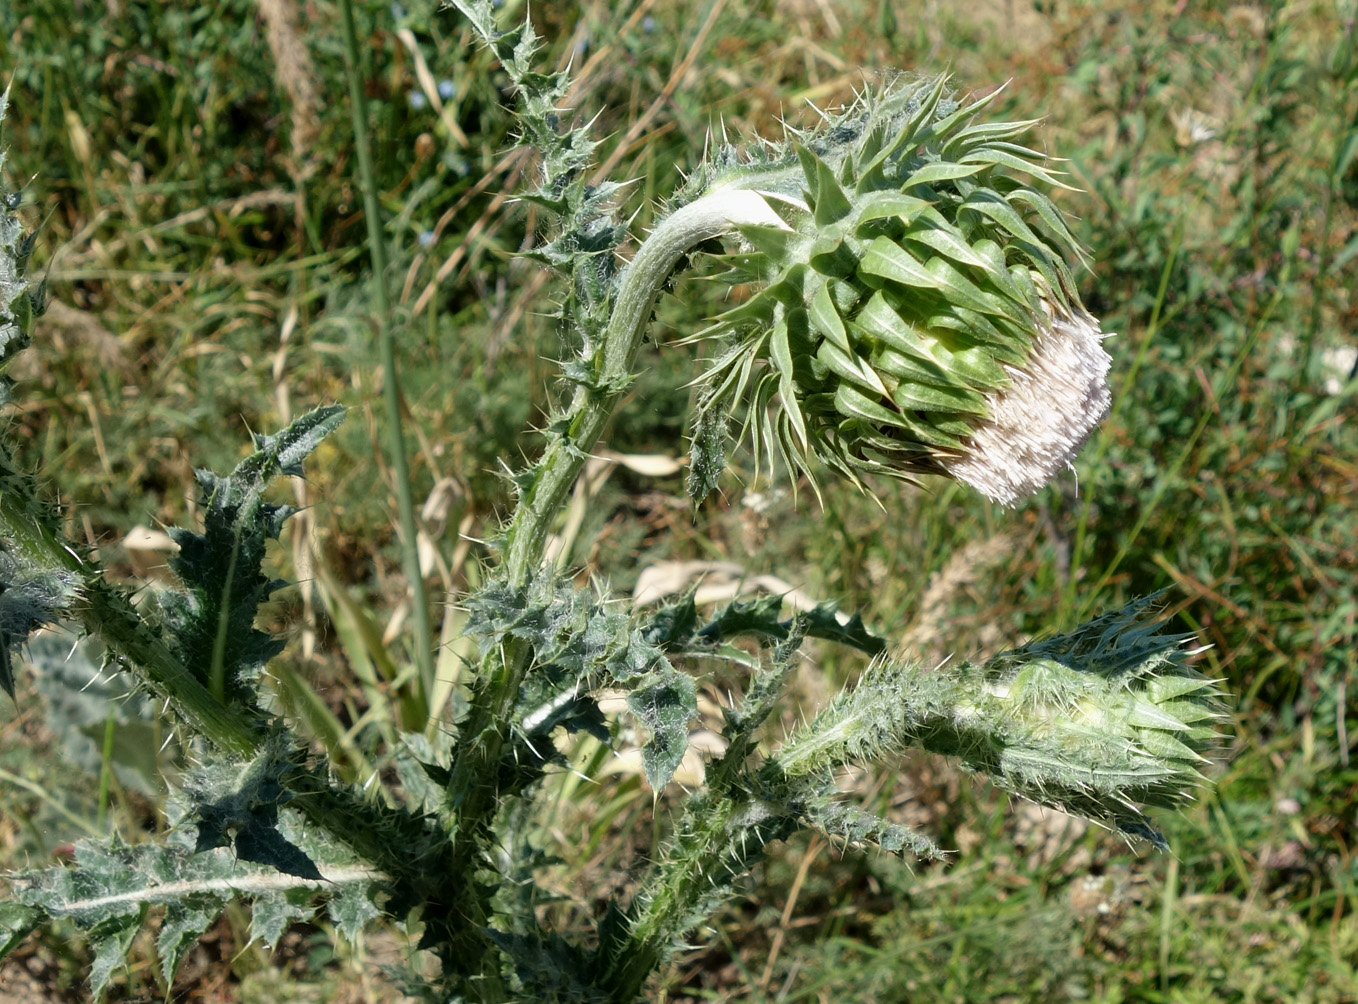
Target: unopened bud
point(1097, 722)
point(916, 312)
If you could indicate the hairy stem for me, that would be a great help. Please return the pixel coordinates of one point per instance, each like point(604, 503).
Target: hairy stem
point(107, 614)
point(391, 388)
point(720, 837)
point(485, 730)
point(714, 215)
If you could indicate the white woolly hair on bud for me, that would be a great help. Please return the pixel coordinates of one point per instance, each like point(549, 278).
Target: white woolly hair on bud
point(1038, 423)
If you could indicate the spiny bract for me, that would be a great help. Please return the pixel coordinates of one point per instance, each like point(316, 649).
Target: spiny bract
point(917, 313)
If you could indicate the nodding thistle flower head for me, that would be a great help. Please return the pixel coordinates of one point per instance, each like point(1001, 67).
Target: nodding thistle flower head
point(916, 312)
point(1097, 722)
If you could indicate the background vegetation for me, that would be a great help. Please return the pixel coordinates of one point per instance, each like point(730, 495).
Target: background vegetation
point(203, 247)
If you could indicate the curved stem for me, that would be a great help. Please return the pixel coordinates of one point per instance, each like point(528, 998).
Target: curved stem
point(714, 215)
point(485, 730)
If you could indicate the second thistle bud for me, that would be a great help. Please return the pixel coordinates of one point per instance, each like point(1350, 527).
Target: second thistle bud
point(1098, 722)
point(916, 312)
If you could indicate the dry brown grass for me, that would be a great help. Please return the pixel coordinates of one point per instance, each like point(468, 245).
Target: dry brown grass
point(296, 77)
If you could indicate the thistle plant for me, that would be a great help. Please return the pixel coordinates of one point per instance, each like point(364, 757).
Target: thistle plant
point(909, 309)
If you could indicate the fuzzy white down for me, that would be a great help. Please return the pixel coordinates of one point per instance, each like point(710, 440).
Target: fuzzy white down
point(1040, 421)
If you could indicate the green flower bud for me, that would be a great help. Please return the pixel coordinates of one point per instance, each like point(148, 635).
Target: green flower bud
point(1096, 722)
point(916, 313)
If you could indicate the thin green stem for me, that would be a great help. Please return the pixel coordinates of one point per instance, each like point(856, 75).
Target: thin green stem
point(105, 768)
point(391, 388)
point(593, 406)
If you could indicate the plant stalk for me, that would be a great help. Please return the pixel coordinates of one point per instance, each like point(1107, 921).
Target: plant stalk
point(485, 730)
point(391, 388)
point(719, 839)
point(108, 616)
point(714, 215)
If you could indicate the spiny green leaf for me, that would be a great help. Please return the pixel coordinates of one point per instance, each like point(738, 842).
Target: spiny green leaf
point(28, 600)
point(272, 912)
point(211, 623)
point(352, 909)
point(482, 16)
point(881, 322)
point(851, 368)
point(259, 841)
point(550, 968)
point(881, 205)
point(997, 208)
point(283, 453)
point(887, 259)
point(676, 627)
point(941, 170)
point(825, 317)
point(17, 921)
point(832, 205)
point(577, 639)
point(236, 805)
point(665, 702)
point(112, 940)
point(108, 889)
point(185, 921)
point(938, 235)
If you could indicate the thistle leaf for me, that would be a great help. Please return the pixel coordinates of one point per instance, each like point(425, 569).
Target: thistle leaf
point(211, 623)
point(28, 600)
point(481, 14)
point(108, 890)
point(273, 911)
point(17, 922)
point(236, 805)
point(665, 702)
point(112, 940)
point(352, 909)
point(185, 921)
point(938, 171)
